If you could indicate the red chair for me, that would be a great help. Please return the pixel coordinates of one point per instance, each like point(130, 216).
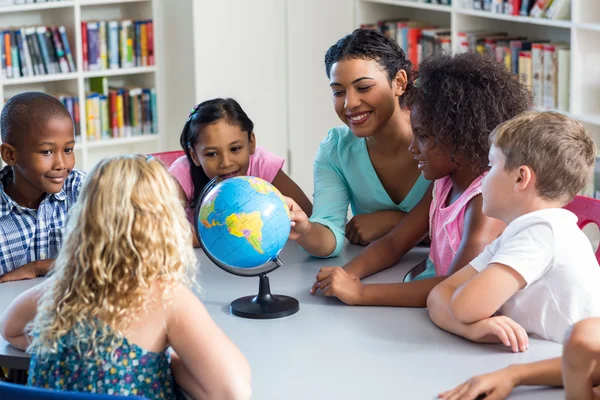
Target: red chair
point(168, 157)
point(587, 211)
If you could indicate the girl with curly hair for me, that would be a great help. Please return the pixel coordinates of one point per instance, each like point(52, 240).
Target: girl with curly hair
point(455, 105)
point(120, 295)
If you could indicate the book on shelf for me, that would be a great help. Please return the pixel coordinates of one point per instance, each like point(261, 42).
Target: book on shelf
point(35, 50)
point(550, 9)
point(418, 39)
point(119, 112)
point(71, 103)
point(542, 66)
point(117, 44)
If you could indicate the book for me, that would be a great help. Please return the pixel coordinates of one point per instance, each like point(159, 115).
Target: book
point(537, 67)
point(525, 68)
point(550, 99)
point(564, 79)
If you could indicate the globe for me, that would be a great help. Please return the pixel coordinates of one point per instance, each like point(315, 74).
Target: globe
point(244, 222)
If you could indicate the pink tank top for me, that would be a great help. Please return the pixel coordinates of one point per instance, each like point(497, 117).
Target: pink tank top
point(446, 224)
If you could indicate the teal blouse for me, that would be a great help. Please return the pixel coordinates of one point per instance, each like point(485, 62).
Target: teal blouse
point(344, 175)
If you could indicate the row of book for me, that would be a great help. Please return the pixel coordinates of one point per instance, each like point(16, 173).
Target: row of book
point(550, 9)
point(418, 39)
point(119, 112)
point(4, 3)
point(543, 66)
point(32, 51)
point(117, 44)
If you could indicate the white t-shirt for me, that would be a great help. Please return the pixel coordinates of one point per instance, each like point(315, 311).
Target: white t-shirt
point(558, 263)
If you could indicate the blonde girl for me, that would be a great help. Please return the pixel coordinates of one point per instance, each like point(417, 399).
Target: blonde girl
point(120, 296)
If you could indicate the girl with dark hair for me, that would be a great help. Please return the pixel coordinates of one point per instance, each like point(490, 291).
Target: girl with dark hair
point(366, 163)
point(218, 140)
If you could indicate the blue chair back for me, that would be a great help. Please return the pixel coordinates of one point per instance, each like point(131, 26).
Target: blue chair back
point(10, 391)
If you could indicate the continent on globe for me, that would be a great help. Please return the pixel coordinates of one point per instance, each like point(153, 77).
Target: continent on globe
point(207, 209)
point(249, 226)
point(263, 187)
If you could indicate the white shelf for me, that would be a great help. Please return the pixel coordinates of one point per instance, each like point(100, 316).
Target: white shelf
point(70, 14)
point(587, 26)
point(84, 3)
point(40, 79)
point(120, 141)
point(414, 4)
point(119, 71)
point(36, 7)
point(513, 18)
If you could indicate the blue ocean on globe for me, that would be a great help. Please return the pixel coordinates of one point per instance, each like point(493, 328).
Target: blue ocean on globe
point(244, 222)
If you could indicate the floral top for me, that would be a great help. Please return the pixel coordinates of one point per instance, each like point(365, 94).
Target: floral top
point(125, 370)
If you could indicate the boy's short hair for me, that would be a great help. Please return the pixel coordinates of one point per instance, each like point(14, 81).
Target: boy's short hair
point(557, 148)
point(25, 112)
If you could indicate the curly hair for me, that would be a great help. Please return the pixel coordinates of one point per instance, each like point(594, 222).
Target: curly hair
point(127, 231)
point(461, 100)
point(369, 44)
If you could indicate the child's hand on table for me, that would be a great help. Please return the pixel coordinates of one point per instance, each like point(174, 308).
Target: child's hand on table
point(335, 281)
point(28, 271)
point(499, 329)
point(494, 386)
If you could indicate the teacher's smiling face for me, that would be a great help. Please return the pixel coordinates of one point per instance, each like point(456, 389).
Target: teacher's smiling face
point(363, 97)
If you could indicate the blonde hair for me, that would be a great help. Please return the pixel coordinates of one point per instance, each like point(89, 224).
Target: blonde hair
point(557, 148)
point(126, 231)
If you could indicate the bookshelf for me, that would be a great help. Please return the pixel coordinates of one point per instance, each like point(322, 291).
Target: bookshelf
point(71, 14)
point(582, 32)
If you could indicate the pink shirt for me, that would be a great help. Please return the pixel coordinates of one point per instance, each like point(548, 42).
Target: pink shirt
point(446, 224)
point(263, 164)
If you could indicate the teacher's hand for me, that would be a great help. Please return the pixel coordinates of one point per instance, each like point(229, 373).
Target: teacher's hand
point(300, 223)
point(335, 281)
point(366, 228)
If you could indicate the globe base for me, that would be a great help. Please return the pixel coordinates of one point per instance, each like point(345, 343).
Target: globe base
point(280, 306)
point(264, 305)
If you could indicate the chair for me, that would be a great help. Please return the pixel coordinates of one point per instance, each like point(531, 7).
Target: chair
point(587, 211)
point(168, 157)
point(11, 391)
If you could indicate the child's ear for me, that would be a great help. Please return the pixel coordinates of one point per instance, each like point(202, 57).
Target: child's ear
point(524, 177)
point(194, 156)
point(9, 154)
point(252, 143)
point(400, 82)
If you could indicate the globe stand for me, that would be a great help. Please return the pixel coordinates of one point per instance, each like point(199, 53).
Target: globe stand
point(264, 305)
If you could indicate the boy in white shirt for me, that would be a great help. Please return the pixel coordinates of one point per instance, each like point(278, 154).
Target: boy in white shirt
point(541, 275)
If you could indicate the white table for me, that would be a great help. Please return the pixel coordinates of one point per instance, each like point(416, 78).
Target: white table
point(332, 351)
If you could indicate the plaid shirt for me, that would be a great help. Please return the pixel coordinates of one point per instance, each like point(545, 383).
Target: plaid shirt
point(28, 235)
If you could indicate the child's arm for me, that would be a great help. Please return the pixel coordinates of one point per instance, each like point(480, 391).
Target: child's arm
point(31, 270)
point(289, 188)
point(20, 312)
point(487, 329)
point(502, 382)
point(388, 250)
point(479, 230)
point(212, 366)
point(581, 360)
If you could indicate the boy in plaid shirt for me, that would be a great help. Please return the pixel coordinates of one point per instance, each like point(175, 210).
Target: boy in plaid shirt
point(38, 186)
